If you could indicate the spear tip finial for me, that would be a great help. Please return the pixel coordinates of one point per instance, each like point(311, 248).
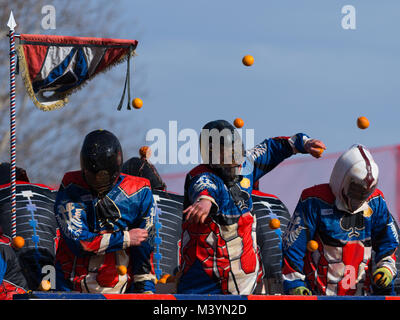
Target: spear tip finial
point(11, 22)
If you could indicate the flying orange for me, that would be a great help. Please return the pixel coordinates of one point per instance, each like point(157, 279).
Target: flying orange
point(137, 103)
point(274, 224)
point(122, 270)
point(362, 122)
point(312, 245)
point(238, 122)
point(18, 242)
point(248, 60)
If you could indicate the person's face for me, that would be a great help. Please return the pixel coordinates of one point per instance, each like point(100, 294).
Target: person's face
point(100, 182)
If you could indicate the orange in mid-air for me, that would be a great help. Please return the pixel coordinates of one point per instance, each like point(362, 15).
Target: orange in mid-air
point(312, 245)
point(248, 60)
point(362, 122)
point(122, 270)
point(238, 122)
point(18, 242)
point(145, 152)
point(137, 103)
point(274, 224)
point(45, 285)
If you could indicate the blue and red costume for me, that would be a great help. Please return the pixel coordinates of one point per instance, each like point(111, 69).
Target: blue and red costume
point(92, 246)
point(342, 263)
point(221, 255)
point(12, 280)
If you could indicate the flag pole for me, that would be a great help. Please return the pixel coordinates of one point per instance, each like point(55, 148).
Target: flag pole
point(13, 57)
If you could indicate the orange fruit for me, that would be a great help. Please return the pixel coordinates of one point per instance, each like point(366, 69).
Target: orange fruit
point(122, 270)
point(274, 224)
point(312, 245)
point(248, 60)
point(162, 280)
point(45, 285)
point(377, 277)
point(166, 278)
point(362, 122)
point(321, 151)
point(145, 152)
point(137, 103)
point(238, 122)
point(18, 242)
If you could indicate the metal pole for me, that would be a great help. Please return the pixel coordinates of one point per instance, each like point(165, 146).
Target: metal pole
point(13, 54)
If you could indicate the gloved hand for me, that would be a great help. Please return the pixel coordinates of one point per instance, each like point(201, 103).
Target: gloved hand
point(382, 277)
point(301, 291)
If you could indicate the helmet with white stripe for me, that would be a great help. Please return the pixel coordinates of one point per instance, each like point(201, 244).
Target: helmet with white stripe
point(354, 178)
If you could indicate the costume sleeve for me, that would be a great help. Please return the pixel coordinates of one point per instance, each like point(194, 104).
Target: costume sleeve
point(384, 237)
point(142, 256)
point(204, 186)
point(72, 220)
point(299, 231)
point(268, 154)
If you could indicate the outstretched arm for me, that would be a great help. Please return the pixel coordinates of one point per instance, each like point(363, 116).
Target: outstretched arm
point(271, 152)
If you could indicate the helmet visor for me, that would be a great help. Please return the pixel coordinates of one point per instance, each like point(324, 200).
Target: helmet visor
point(100, 182)
point(356, 194)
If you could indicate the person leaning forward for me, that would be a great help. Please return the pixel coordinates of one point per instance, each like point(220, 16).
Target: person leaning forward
point(107, 223)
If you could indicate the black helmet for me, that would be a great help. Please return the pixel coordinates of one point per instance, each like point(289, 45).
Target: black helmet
point(140, 167)
point(222, 149)
point(101, 161)
point(5, 167)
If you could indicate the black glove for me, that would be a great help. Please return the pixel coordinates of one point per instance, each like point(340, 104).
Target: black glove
point(106, 210)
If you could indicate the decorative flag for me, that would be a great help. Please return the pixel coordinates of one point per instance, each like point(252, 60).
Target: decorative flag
point(53, 67)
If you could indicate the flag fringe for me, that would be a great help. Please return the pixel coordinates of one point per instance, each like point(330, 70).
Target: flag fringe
point(23, 67)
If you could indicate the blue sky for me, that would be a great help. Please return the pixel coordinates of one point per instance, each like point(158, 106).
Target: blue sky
point(310, 75)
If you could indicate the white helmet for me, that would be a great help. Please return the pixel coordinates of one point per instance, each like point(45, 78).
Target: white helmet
point(354, 178)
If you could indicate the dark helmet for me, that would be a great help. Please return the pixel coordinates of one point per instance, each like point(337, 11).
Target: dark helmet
point(21, 174)
point(101, 160)
point(140, 167)
point(222, 149)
